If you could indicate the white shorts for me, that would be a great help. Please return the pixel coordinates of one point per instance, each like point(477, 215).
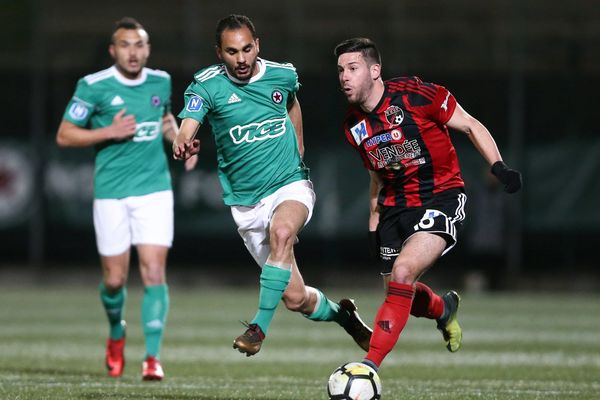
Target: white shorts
point(120, 223)
point(253, 222)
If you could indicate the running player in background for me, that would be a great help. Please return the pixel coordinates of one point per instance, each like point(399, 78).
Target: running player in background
point(124, 112)
point(400, 129)
point(256, 123)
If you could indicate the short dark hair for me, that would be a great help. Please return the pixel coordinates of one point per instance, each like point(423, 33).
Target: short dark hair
point(126, 23)
point(233, 21)
point(365, 46)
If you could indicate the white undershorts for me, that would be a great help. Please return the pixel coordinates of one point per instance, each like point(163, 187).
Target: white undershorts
point(120, 223)
point(253, 222)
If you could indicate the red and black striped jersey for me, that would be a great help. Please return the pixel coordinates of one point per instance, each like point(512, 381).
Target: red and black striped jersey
point(406, 141)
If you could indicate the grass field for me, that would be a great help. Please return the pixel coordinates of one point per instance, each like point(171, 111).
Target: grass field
point(515, 347)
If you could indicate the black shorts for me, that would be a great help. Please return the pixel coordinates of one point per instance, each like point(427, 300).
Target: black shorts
point(442, 215)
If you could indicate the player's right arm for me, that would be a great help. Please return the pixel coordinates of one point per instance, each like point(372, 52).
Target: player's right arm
point(375, 186)
point(185, 144)
point(71, 135)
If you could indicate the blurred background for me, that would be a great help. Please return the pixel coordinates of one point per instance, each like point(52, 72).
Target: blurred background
point(528, 69)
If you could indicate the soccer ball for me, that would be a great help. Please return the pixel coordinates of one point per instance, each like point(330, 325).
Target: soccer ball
point(354, 381)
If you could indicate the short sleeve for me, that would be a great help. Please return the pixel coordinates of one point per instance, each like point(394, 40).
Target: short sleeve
point(196, 102)
point(81, 106)
point(443, 105)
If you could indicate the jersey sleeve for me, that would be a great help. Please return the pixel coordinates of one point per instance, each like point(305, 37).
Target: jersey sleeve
point(197, 102)
point(294, 83)
point(81, 106)
point(443, 105)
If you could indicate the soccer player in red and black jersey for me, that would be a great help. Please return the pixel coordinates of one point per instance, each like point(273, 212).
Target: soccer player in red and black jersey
point(400, 129)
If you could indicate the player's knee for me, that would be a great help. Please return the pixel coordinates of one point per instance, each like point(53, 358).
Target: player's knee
point(282, 236)
point(403, 273)
point(153, 275)
point(114, 283)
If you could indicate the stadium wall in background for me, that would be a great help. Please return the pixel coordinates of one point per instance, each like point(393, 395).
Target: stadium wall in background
point(528, 69)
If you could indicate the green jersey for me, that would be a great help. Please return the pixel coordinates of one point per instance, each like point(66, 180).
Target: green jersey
point(257, 148)
point(133, 167)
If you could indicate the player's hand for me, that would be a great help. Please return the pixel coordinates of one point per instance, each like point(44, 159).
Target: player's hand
point(185, 149)
point(191, 162)
point(374, 245)
point(510, 178)
point(123, 126)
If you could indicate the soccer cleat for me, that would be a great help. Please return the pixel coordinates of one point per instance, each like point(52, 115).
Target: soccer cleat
point(355, 327)
point(449, 326)
point(250, 341)
point(115, 355)
point(152, 370)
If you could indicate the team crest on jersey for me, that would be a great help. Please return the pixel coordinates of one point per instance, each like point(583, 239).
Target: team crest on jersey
point(276, 96)
point(359, 131)
point(155, 101)
point(78, 111)
point(194, 104)
point(394, 115)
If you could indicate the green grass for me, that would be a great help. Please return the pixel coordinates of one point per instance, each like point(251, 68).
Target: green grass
point(515, 347)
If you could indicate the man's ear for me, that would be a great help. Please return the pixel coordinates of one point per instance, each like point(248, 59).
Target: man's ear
point(111, 50)
point(257, 46)
point(375, 70)
point(217, 50)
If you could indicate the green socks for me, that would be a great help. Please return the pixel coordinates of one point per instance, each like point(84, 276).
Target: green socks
point(155, 306)
point(327, 310)
point(113, 305)
point(273, 282)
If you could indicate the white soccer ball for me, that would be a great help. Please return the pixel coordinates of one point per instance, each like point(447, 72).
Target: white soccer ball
point(354, 381)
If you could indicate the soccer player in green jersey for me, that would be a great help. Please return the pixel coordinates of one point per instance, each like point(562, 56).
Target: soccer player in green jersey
point(124, 112)
point(256, 123)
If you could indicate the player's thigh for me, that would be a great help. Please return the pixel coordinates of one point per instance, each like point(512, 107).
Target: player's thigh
point(252, 228)
point(289, 217)
point(152, 218)
point(291, 205)
point(418, 254)
point(112, 226)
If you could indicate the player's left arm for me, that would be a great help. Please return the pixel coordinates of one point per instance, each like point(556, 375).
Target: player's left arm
point(483, 141)
point(295, 114)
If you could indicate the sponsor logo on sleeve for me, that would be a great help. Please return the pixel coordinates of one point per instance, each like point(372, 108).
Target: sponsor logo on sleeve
point(194, 104)
point(78, 111)
point(444, 105)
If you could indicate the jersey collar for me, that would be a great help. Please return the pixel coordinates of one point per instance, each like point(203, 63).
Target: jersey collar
point(129, 82)
point(261, 71)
